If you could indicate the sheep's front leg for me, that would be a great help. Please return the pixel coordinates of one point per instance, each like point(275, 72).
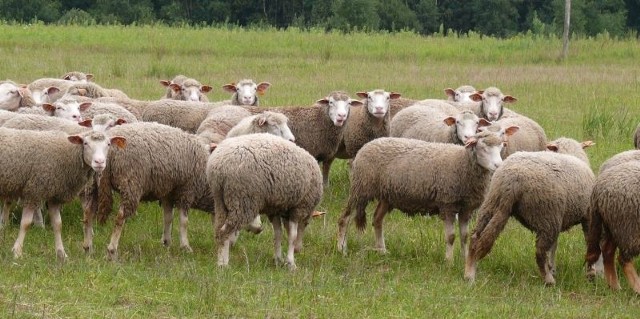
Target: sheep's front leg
point(167, 214)
point(6, 210)
point(112, 248)
point(184, 221)
point(56, 224)
point(463, 226)
point(631, 274)
point(37, 218)
point(26, 220)
point(276, 222)
point(89, 207)
point(378, 218)
point(293, 234)
point(449, 234)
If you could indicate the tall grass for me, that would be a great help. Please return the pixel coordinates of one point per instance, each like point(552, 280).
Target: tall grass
point(592, 95)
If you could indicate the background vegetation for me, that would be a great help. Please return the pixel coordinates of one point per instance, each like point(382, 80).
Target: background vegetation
point(502, 18)
point(592, 95)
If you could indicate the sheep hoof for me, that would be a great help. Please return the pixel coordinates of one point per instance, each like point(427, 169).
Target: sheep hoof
point(88, 250)
point(166, 242)
point(187, 248)
point(17, 252)
point(112, 254)
point(62, 256)
point(549, 281)
point(292, 266)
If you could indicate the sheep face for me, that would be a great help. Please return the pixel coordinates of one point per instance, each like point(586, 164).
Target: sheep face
point(190, 90)
point(462, 94)
point(44, 96)
point(466, 124)
point(246, 90)
point(492, 102)
point(280, 128)
point(69, 110)
point(10, 96)
point(378, 101)
point(95, 147)
point(487, 147)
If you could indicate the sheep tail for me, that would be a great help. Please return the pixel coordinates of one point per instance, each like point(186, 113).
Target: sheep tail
point(594, 234)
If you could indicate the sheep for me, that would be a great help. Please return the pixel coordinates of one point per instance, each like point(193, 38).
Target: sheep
point(93, 90)
point(615, 223)
point(492, 103)
point(6, 115)
point(16, 97)
point(48, 90)
point(462, 94)
point(67, 109)
point(267, 122)
point(101, 122)
point(246, 92)
point(458, 97)
point(547, 192)
point(76, 76)
point(97, 107)
point(186, 89)
point(160, 163)
point(631, 155)
point(531, 136)
point(55, 176)
point(433, 125)
point(219, 121)
point(185, 115)
point(136, 107)
point(262, 174)
point(421, 177)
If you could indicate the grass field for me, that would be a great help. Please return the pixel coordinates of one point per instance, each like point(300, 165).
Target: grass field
point(595, 95)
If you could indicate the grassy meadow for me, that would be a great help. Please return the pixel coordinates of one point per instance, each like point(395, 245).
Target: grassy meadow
point(594, 95)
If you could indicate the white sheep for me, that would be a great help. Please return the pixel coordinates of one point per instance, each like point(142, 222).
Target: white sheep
point(267, 122)
point(186, 89)
point(48, 90)
point(245, 92)
point(530, 138)
point(58, 170)
point(492, 103)
point(262, 174)
point(219, 121)
point(76, 76)
point(547, 192)
point(420, 177)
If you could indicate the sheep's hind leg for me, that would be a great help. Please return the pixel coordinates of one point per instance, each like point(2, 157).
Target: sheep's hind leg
point(608, 261)
point(25, 222)
point(276, 222)
point(631, 274)
point(381, 210)
point(293, 234)
point(167, 214)
point(463, 227)
point(184, 221)
point(343, 224)
point(544, 242)
point(56, 224)
point(112, 248)
point(449, 234)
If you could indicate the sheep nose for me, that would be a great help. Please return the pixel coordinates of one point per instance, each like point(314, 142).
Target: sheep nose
point(99, 161)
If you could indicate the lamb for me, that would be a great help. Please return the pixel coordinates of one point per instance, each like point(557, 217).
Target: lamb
point(492, 103)
point(547, 192)
point(531, 136)
point(246, 92)
point(55, 176)
point(420, 177)
point(186, 89)
point(76, 76)
point(94, 91)
point(219, 121)
point(433, 125)
point(262, 174)
point(615, 223)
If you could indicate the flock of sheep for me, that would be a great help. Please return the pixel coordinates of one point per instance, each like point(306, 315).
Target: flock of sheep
point(237, 160)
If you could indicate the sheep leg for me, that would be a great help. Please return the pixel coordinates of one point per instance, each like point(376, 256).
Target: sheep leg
point(483, 239)
point(381, 210)
point(608, 260)
point(293, 234)
point(112, 248)
point(222, 234)
point(326, 168)
point(25, 222)
point(343, 224)
point(56, 224)
point(449, 234)
point(6, 210)
point(298, 243)
point(544, 242)
point(552, 257)
point(167, 213)
point(184, 221)
point(631, 274)
point(89, 207)
point(37, 218)
point(276, 222)
point(463, 227)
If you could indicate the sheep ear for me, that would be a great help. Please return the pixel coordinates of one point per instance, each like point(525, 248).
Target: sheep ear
point(84, 106)
point(205, 89)
point(509, 99)
point(450, 121)
point(119, 141)
point(22, 91)
point(67, 77)
point(89, 76)
point(86, 123)
point(476, 97)
point(480, 92)
point(231, 87)
point(212, 147)
point(450, 92)
point(394, 95)
point(48, 107)
point(165, 83)
point(82, 92)
point(261, 120)
point(511, 130)
point(121, 121)
point(75, 139)
point(322, 102)
point(355, 103)
point(586, 144)
point(483, 122)
point(262, 87)
point(175, 87)
point(471, 142)
point(52, 90)
point(552, 147)
point(362, 95)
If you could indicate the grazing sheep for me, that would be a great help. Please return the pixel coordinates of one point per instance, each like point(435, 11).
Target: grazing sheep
point(492, 103)
point(97, 107)
point(160, 163)
point(67, 109)
point(267, 122)
point(547, 192)
point(419, 177)
point(186, 89)
point(60, 167)
point(631, 155)
point(246, 92)
point(76, 76)
point(94, 91)
point(219, 121)
point(433, 125)
point(262, 174)
point(615, 223)
point(531, 136)
point(48, 90)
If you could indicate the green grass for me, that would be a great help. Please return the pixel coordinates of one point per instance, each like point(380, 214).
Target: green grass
point(593, 95)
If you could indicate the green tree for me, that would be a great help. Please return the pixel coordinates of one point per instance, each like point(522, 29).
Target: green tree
point(396, 15)
point(496, 17)
point(26, 10)
point(355, 14)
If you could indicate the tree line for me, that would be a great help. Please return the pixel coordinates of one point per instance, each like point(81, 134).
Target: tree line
point(500, 18)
